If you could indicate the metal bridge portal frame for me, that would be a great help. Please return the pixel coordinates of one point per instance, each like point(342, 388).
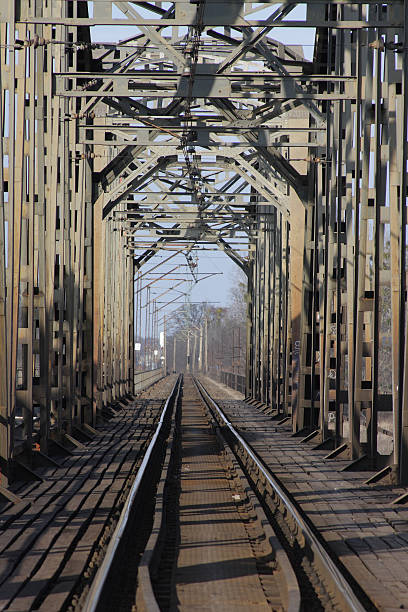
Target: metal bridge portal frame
point(202, 129)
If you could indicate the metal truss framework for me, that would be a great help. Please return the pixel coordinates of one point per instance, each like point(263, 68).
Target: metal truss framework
point(201, 129)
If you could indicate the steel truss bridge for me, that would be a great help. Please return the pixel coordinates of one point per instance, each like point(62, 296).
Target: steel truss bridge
point(201, 129)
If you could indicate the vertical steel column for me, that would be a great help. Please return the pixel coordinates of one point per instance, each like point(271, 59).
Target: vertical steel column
point(5, 407)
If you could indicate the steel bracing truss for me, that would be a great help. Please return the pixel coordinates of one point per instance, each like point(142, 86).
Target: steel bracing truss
point(201, 130)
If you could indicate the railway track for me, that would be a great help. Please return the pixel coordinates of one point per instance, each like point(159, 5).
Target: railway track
point(182, 542)
point(55, 534)
point(324, 584)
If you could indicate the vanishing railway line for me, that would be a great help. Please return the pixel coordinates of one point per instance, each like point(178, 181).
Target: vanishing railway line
point(178, 499)
point(148, 562)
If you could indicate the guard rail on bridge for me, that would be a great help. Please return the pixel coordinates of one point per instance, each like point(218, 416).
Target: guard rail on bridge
point(146, 378)
point(231, 379)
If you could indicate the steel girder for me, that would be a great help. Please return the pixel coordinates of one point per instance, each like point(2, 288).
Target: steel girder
point(303, 164)
point(53, 314)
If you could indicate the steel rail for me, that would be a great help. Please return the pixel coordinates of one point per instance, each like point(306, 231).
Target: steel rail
point(98, 583)
point(146, 599)
point(345, 590)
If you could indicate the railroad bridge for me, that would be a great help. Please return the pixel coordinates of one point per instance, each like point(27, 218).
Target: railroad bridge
point(207, 125)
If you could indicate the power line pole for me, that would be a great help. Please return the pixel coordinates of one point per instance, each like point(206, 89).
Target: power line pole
point(200, 357)
point(188, 351)
point(206, 347)
point(194, 351)
point(165, 346)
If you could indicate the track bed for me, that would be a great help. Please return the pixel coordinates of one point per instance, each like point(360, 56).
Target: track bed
point(216, 564)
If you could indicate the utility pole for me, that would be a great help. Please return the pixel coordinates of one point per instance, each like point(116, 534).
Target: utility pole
point(200, 357)
point(194, 351)
point(188, 351)
point(234, 378)
point(165, 346)
point(146, 333)
point(174, 353)
point(206, 347)
point(156, 334)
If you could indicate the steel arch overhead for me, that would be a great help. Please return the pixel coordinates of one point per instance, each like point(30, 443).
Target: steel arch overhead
point(202, 128)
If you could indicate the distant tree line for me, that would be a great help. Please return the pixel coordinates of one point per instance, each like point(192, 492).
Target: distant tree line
point(210, 336)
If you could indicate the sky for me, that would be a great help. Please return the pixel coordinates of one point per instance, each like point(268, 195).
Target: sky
point(216, 289)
